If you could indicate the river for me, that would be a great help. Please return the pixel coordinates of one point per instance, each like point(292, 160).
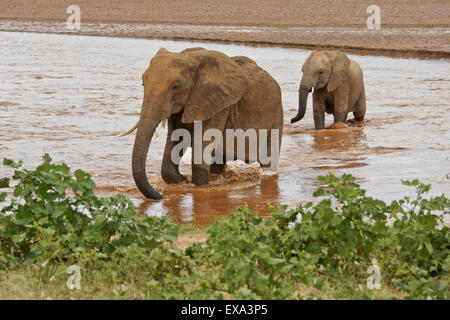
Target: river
point(70, 96)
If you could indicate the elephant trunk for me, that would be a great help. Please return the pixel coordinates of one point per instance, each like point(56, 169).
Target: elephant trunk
point(302, 100)
point(147, 126)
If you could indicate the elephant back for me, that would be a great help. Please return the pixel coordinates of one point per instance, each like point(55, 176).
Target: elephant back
point(242, 60)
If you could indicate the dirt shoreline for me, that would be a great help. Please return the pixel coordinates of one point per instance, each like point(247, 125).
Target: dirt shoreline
point(410, 28)
point(217, 37)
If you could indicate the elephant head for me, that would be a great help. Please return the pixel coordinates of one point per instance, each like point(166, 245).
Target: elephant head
point(197, 82)
point(321, 68)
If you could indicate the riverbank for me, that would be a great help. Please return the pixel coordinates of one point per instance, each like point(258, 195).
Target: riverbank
point(408, 29)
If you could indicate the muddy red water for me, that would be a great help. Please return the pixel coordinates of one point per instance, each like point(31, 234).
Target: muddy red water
point(70, 95)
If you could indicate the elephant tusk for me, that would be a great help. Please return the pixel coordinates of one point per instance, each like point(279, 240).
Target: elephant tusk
point(129, 131)
point(157, 134)
point(161, 129)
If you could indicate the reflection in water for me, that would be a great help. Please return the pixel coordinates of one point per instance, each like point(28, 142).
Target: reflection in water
point(345, 146)
point(209, 204)
point(337, 140)
point(81, 95)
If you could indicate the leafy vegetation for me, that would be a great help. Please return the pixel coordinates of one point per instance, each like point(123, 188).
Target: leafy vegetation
point(324, 249)
point(339, 236)
point(54, 216)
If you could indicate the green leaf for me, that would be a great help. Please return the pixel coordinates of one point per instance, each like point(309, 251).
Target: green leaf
point(84, 179)
point(18, 237)
point(319, 192)
point(23, 221)
point(11, 163)
point(274, 261)
point(100, 218)
point(429, 246)
point(4, 183)
point(261, 281)
point(380, 227)
point(170, 233)
point(18, 191)
point(314, 232)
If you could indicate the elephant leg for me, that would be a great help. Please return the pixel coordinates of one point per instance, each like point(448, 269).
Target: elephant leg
point(169, 170)
point(270, 160)
point(318, 111)
point(340, 117)
point(201, 173)
point(278, 127)
point(217, 167)
point(201, 169)
point(360, 107)
point(341, 104)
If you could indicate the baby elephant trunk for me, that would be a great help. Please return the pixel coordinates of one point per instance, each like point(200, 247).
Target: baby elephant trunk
point(302, 99)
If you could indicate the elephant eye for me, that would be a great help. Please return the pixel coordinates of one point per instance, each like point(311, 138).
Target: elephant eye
point(176, 86)
point(320, 71)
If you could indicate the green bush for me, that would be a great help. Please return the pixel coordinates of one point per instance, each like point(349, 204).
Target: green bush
point(56, 216)
point(341, 235)
point(320, 249)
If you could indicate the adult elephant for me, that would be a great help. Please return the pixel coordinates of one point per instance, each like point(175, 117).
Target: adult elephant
point(338, 87)
point(207, 86)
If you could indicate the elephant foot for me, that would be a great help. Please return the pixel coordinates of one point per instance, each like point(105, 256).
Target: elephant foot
point(217, 168)
point(340, 117)
point(173, 177)
point(359, 118)
point(319, 120)
point(184, 178)
point(338, 125)
point(201, 174)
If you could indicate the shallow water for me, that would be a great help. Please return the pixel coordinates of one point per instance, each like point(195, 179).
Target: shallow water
point(70, 95)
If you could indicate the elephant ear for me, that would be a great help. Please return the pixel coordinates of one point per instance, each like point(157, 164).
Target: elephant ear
point(187, 50)
point(339, 70)
point(219, 83)
point(162, 50)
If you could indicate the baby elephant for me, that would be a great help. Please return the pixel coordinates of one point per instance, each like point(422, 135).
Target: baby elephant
point(338, 87)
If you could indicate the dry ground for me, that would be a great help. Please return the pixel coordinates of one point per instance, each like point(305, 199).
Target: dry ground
point(408, 26)
point(278, 13)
